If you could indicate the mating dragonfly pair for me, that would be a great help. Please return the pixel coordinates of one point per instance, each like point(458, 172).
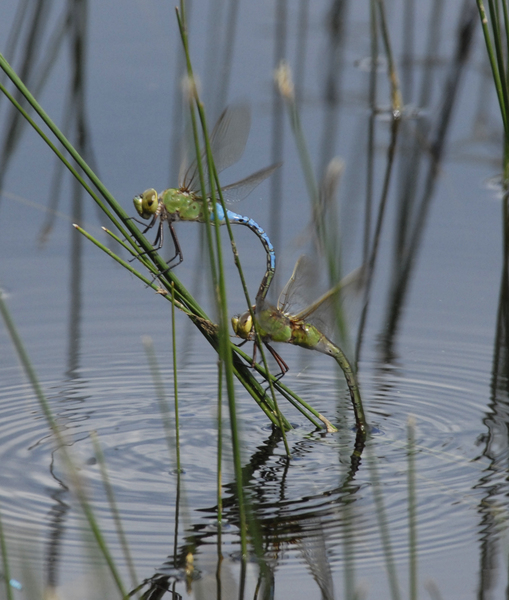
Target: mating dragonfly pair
point(185, 203)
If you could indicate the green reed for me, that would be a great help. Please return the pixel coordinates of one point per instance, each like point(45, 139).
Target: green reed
point(78, 485)
point(412, 510)
point(495, 26)
point(135, 240)
point(114, 509)
point(5, 562)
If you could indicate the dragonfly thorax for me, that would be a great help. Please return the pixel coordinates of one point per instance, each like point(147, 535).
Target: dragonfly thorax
point(182, 205)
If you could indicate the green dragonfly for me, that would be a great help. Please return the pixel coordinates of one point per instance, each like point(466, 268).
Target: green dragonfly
point(228, 140)
point(302, 327)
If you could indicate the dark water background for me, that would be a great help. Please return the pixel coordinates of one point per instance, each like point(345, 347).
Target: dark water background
point(436, 351)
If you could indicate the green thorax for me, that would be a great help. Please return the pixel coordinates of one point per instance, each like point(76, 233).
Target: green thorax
point(183, 206)
point(274, 326)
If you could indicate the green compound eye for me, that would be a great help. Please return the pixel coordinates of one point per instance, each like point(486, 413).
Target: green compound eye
point(146, 204)
point(242, 325)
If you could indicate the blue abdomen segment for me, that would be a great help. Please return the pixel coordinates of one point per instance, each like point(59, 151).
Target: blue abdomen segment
point(234, 218)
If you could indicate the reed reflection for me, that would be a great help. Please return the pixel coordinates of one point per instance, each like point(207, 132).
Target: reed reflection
point(277, 522)
point(494, 442)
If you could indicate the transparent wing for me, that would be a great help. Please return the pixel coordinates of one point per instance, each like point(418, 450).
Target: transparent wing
point(294, 299)
point(241, 189)
point(228, 140)
point(296, 293)
point(324, 311)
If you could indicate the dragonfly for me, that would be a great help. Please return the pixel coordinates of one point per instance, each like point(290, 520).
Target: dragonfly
point(304, 328)
point(228, 140)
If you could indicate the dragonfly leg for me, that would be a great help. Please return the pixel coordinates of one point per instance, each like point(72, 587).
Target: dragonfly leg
point(178, 251)
point(136, 221)
point(158, 242)
point(241, 343)
point(283, 367)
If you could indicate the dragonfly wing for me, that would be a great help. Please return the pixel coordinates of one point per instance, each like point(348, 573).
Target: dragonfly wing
point(229, 137)
point(227, 141)
point(296, 293)
point(241, 189)
point(322, 312)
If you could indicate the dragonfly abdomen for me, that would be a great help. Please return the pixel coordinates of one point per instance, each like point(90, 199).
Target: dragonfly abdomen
point(307, 336)
point(234, 218)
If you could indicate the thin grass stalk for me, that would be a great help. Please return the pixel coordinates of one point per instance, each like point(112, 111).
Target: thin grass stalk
point(261, 399)
point(348, 536)
point(303, 411)
point(370, 162)
point(291, 396)
point(57, 152)
point(396, 100)
point(126, 265)
point(506, 29)
point(160, 264)
point(175, 381)
point(128, 222)
point(142, 258)
point(250, 384)
point(224, 342)
point(506, 78)
point(499, 53)
point(219, 443)
point(177, 519)
point(283, 424)
point(286, 89)
point(192, 92)
point(412, 509)
point(219, 282)
point(497, 76)
point(382, 524)
point(114, 509)
point(5, 558)
point(226, 351)
point(166, 419)
point(167, 278)
point(391, 152)
point(219, 470)
point(285, 84)
point(219, 480)
point(85, 506)
point(331, 250)
point(164, 409)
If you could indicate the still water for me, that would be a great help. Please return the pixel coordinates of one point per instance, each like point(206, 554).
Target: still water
point(434, 344)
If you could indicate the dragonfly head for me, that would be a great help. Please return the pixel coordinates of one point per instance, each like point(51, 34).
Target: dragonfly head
point(243, 325)
point(146, 204)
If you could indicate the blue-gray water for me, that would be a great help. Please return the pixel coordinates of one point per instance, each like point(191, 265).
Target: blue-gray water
point(443, 364)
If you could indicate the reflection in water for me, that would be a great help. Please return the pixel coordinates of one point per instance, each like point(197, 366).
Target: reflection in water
point(311, 526)
point(332, 85)
point(31, 72)
point(277, 523)
point(276, 183)
point(493, 506)
point(36, 66)
point(57, 519)
point(412, 214)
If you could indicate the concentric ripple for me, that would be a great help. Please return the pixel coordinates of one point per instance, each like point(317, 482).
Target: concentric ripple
point(314, 497)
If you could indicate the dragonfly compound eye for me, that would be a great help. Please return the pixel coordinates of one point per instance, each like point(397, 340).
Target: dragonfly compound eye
point(235, 324)
point(242, 325)
point(146, 204)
